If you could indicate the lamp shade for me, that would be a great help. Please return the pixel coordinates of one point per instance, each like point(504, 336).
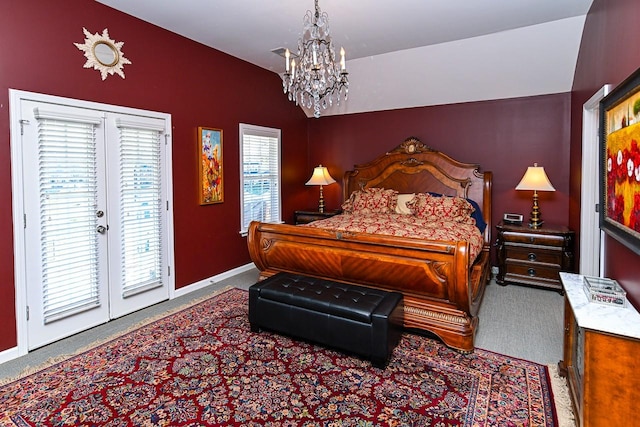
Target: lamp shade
point(320, 176)
point(535, 179)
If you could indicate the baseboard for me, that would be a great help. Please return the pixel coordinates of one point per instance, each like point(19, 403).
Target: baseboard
point(211, 280)
point(9, 354)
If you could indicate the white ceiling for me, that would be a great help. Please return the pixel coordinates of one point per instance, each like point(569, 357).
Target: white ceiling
point(402, 53)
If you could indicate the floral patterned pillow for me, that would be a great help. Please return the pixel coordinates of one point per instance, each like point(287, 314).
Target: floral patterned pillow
point(371, 201)
point(443, 208)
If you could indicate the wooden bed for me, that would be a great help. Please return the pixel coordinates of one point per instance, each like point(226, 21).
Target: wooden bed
point(442, 288)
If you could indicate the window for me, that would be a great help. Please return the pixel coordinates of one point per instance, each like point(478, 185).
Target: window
point(68, 197)
point(260, 177)
point(141, 212)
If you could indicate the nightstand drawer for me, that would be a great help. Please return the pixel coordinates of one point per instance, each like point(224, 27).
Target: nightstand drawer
point(534, 254)
point(534, 239)
point(532, 271)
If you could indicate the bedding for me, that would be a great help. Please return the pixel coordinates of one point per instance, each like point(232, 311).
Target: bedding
point(404, 225)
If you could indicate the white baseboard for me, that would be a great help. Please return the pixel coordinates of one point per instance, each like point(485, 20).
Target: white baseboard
point(9, 354)
point(211, 280)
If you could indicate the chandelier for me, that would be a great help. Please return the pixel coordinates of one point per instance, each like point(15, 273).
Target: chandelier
point(316, 79)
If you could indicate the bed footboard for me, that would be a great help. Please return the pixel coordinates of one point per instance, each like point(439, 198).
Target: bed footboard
point(442, 291)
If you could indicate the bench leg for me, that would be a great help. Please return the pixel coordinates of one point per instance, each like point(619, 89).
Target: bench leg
point(255, 328)
point(379, 363)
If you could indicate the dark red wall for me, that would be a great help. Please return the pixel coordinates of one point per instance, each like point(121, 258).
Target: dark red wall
point(608, 54)
point(199, 86)
point(503, 136)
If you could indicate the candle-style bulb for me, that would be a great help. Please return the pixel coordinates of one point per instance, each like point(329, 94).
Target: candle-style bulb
point(287, 54)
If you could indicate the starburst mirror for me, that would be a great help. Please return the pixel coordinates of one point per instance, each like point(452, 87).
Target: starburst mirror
point(103, 53)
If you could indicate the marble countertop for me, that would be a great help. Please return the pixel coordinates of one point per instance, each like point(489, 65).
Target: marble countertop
point(624, 321)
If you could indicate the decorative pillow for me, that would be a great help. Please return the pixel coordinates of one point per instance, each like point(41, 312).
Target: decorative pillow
point(401, 206)
point(371, 200)
point(477, 212)
point(444, 208)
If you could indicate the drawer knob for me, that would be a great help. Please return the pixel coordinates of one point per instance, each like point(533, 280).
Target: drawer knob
point(532, 256)
point(532, 272)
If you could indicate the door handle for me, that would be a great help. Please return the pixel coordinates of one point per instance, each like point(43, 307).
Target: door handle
point(101, 229)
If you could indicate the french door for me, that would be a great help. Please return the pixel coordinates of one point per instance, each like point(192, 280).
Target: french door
point(96, 218)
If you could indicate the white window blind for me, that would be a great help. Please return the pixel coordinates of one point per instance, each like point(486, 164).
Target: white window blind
point(69, 242)
point(260, 179)
point(140, 208)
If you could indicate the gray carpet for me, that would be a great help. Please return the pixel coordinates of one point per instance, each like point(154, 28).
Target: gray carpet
point(517, 321)
point(522, 322)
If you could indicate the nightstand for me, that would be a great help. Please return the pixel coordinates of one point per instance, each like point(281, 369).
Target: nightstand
point(305, 217)
point(534, 256)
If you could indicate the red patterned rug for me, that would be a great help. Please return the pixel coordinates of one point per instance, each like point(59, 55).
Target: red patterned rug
point(202, 366)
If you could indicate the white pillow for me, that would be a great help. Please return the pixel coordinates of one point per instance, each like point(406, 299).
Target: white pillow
point(401, 206)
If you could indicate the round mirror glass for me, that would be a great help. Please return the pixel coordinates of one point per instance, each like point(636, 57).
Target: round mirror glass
point(105, 53)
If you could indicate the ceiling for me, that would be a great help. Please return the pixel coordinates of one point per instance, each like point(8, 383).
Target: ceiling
point(399, 53)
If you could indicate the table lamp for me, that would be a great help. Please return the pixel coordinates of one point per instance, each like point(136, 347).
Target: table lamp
point(320, 177)
point(535, 179)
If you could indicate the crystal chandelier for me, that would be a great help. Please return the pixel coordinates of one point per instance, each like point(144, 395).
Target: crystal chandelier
point(316, 78)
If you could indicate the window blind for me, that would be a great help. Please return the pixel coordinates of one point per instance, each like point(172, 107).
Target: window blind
point(69, 242)
point(260, 157)
point(140, 208)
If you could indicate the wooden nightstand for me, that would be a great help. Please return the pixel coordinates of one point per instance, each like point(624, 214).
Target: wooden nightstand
point(305, 217)
point(534, 256)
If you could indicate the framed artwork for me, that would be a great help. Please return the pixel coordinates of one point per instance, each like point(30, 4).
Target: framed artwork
point(210, 170)
point(620, 163)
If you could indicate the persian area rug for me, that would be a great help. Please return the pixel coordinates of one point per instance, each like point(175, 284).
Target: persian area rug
point(202, 366)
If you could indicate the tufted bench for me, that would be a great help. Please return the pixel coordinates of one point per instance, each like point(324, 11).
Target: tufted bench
point(356, 319)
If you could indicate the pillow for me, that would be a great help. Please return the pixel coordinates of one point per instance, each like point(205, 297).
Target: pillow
point(443, 208)
point(401, 206)
point(371, 200)
point(477, 213)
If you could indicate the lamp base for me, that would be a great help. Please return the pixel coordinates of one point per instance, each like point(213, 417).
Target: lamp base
point(535, 220)
point(321, 202)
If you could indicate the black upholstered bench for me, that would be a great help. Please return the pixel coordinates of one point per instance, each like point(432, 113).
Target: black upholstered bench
point(356, 319)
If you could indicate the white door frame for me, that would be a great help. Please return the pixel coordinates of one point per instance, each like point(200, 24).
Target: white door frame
point(591, 248)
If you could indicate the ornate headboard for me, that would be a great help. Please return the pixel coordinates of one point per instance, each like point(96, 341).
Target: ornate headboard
point(412, 167)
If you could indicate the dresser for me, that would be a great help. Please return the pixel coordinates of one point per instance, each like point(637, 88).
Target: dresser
point(600, 358)
point(533, 256)
point(305, 217)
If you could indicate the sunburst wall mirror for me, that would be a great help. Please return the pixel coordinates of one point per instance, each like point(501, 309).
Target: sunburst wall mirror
point(103, 53)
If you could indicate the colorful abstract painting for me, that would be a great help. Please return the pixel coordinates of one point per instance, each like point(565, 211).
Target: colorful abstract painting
point(210, 157)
